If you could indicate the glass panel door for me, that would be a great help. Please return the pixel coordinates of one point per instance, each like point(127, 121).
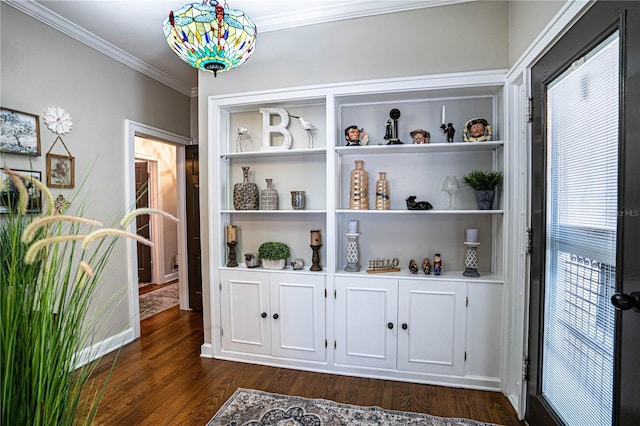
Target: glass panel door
point(581, 227)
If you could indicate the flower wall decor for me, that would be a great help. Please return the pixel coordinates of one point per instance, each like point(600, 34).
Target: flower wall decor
point(57, 120)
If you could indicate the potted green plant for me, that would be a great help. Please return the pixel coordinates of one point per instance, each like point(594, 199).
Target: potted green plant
point(273, 254)
point(484, 182)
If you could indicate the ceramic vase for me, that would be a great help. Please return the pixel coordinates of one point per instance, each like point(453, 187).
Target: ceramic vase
point(245, 194)
point(382, 193)
point(269, 197)
point(359, 188)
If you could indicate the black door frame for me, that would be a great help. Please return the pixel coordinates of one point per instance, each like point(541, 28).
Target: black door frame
point(599, 21)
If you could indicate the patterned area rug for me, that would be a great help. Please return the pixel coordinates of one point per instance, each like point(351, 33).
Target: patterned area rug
point(158, 300)
point(248, 407)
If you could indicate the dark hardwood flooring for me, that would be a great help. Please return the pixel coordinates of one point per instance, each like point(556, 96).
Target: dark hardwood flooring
point(160, 379)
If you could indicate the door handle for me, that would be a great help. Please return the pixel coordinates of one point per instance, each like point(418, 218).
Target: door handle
point(276, 316)
point(263, 315)
point(390, 326)
point(625, 302)
point(405, 326)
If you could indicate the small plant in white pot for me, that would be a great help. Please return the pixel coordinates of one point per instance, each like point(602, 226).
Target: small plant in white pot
point(484, 183)
point(273, 254)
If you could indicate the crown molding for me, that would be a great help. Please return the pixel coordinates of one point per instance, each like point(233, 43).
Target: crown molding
point(46, 16)
point(342, 11)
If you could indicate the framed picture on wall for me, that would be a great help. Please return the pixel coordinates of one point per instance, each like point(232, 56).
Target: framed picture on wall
point(9, 196)
point(60, 171)
point(19, 132)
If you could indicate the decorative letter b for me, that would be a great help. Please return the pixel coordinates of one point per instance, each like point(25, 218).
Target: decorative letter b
point(281, 128)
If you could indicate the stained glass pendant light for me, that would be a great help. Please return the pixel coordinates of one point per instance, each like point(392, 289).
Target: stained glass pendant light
point(209, 36)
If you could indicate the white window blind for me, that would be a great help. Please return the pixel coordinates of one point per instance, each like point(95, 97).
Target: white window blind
point(581, 221)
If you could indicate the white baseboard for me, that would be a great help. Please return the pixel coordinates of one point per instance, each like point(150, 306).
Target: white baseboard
point(102, 348)
point(206, 350)
point(171, 277)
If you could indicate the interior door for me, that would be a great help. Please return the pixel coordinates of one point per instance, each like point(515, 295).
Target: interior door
point(192, 174)
point(583, 369)
point(142, 221)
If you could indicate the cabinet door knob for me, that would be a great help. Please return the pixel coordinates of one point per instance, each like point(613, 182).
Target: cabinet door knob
point(404, 326)
point(264, 315)
point(276, 316)
point(390, 326)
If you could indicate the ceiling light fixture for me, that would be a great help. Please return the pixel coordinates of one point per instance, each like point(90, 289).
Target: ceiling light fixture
point(209, 36)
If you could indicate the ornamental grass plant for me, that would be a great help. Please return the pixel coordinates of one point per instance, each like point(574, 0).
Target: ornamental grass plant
point(50, 269)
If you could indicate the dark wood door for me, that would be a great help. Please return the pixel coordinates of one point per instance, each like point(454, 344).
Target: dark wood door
point(142, 221)
point(600, 270)
point(193, 227)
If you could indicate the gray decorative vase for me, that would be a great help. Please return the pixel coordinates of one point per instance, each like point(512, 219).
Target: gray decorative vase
point(485, 197)
point(269, 197)
point(245, 194)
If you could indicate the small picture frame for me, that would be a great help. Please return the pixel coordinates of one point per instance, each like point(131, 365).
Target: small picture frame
point(9, 195)
point(19, 132)
point(60, 171)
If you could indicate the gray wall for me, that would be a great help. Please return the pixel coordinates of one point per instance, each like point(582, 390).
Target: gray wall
point(41, 67)
point(526, 19)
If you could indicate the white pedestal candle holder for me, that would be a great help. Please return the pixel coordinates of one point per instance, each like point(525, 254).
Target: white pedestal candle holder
point(353, 256)
point(471, 259)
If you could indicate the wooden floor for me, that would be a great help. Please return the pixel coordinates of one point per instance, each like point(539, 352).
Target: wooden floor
point(160, 379)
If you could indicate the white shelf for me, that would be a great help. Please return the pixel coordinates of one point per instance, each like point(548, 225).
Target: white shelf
point(419, 149)
point(445, 276)
point(274, 153)
point(427, 212)
point(263, 212)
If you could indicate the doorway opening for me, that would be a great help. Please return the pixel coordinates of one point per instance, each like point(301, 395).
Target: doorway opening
point(166, 266)
point(158, 266)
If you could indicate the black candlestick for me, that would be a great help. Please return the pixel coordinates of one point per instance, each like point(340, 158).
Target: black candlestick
point(315, 258)
point(232, 253)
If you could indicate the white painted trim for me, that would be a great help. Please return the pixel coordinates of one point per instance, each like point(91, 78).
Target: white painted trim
point(52, 19)
point(519, 135)
point(206, 351)
point(335, 11)
point(131, 130)
point(102, 348)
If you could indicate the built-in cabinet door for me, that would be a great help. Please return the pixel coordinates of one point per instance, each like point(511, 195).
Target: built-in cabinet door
point(245, 309)
point(298, 316)
point(431, 318)
point(365, 326)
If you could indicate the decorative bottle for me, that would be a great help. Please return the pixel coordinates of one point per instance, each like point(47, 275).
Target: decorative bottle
point(269, 197)
point(359, 189)
point(245, 194)
point(382, 193)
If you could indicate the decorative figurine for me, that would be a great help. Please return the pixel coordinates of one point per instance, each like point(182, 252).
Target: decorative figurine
point(251, 260)
point(391, 129)
point(412, 204)
point(355, 136)
point(242, 133)
point(297, 264)
point(437, 264)
point(426, 266)
point(413, 267)
point(308, 127)
point(449, 131)
point(420, 136)
point(477, 130)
